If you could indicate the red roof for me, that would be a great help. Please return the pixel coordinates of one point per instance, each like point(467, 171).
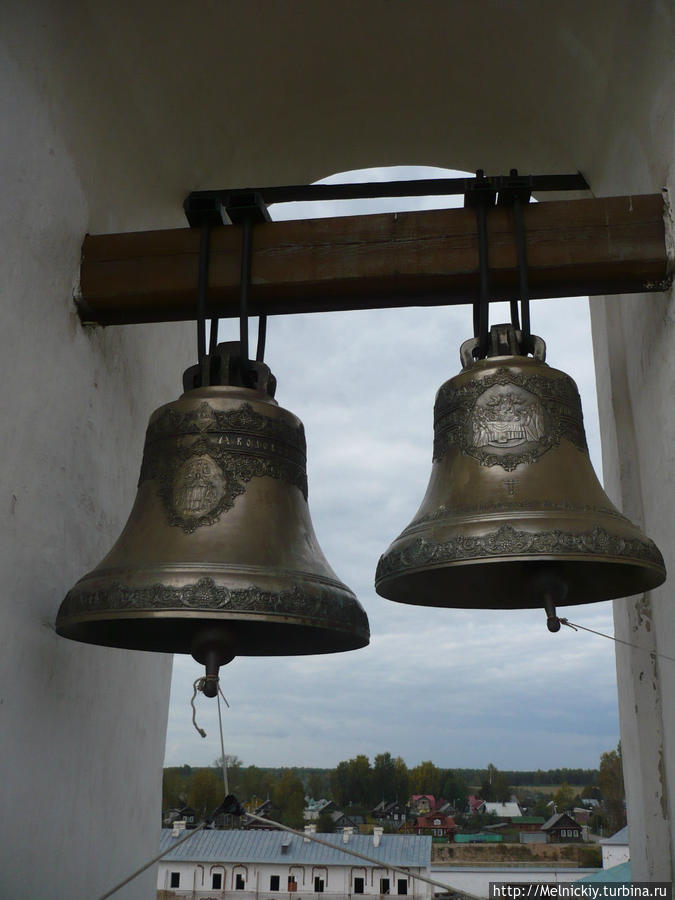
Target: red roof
point(429, 797)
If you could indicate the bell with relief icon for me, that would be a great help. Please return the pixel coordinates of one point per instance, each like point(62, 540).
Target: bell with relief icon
point(219, 557)
point(514, 515)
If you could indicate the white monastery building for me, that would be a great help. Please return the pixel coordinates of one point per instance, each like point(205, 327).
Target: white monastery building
point(276, 865)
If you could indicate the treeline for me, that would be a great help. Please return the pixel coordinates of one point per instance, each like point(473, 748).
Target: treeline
point(354, 783)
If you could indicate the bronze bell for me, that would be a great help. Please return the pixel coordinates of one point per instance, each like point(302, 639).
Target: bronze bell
point(219, 557)
point(514, 515)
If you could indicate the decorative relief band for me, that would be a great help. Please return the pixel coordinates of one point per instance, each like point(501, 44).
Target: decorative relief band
point(244, 419)
point(200, 479)
point(329, 605)
point(507, 541)
point(513, 506)
point(508, 417)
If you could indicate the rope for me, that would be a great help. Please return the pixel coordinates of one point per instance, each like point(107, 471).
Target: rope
point(197, 686)
point(153, 861)
point(371, 859)
point(617, 640)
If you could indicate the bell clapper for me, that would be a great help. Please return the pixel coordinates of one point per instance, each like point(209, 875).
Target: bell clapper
point(213, 648)
point(552, 620)
point(550, 589)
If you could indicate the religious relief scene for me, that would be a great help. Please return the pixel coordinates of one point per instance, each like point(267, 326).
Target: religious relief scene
point(507, 417)
point(339, 416)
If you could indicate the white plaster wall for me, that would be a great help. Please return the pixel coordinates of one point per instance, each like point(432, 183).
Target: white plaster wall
point(81, 728)
point(477, 880)
point(614, 855)
point(634, 343)
point(339, 879)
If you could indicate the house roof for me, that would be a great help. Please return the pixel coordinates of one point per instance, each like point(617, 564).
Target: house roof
point(528, 820)
point(619, 837)
point(555, 820)
point(266, 846)
point(429, 797)
point(503, 809)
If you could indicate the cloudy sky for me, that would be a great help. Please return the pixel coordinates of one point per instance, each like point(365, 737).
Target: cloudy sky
point(462, 688)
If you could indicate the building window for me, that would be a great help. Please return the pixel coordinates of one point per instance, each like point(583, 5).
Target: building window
point(358, 885)
point(216, 881)
point(174, 880)
point(292, 883)
point(402, 884)
point(239, 883)
point(274, 882)
point(318, 885)
point(384, 885)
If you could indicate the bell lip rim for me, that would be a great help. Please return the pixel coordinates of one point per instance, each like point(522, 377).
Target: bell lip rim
point(542, 558)
point(650, 567)
point(359, 637)
point(221, 615)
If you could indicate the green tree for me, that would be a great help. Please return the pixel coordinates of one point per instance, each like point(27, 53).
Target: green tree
point(425, 779)
point(253, 782)
point(401, 780)
point(289, 796)
point(383, 776)
point(318, 785)
point(174, 788)
point(339, 782)
point(234, 766)
point(610, 782)
point(495, 786)
point(205, 791)
point(360, 783)
point(455, 789)
point(563, 797)
point(325, 823)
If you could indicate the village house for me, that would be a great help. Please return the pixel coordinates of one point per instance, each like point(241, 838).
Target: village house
point(436, 824)
point(391, 812)
point(561, 828)
point(276, 865)
point(421, 804)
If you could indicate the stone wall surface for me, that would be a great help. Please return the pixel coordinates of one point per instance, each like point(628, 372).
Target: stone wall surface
point(81, 727)
point(634, 345)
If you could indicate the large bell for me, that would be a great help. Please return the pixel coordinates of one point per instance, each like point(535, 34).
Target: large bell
point(514, 515)
point(219, 557)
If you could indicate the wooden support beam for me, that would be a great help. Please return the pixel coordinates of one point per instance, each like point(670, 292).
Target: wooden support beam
point(574, 247)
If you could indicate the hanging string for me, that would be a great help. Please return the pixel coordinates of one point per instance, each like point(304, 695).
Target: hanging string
point(576, 627)
point(222, 742)
point(197, 685)
point(202, 289)
point(522, 273)
point(244, 284)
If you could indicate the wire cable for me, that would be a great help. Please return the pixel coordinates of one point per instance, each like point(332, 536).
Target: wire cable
point(576, 627)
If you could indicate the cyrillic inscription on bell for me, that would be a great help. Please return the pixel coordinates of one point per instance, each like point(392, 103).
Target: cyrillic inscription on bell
point(219, 557)
point(514, 515)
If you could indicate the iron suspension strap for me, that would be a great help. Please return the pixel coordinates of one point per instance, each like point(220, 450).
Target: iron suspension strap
point(481, 197)
point(516, 192)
